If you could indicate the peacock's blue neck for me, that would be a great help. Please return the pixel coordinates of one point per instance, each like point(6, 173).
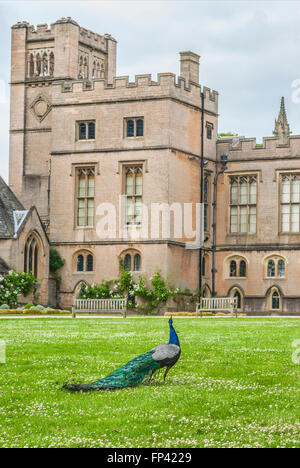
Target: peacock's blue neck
point(173, 336)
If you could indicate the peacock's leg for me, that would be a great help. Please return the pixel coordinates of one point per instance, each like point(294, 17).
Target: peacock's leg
point(166, 372)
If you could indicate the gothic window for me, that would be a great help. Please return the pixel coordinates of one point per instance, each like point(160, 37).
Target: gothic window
point(237, 294)
point(38, 65)
point(237, 267)
point(45, 65)
point(130, 128)
point(80, 263)
point(275, 300)
point(209, 130)
point(271, 268)
point(127, 262)
point(82, 131)
point(206, 200)
point(243, 198)
point(51, 71)
point(233, 268)
point(139, 127)
point(242, 268)
point(31, 66)
point(290, 202)
point(85, 196)
point(134, 127)
point(281, 268)
point(275, 267)
point(132, 261)
point(133, 194)
point(86, 130)
point(137, 262)
point(31, 256)
point(203, 266)
point(85, 262)
point(91, 131)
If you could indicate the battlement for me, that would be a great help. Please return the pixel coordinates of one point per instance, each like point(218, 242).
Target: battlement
point(43, 32)
point(241, 148)
point(143, 87)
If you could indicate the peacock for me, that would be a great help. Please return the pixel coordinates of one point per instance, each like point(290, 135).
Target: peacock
point(135, 371)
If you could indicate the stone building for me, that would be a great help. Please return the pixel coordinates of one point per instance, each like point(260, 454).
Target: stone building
point(24, 245)
point(83, 140)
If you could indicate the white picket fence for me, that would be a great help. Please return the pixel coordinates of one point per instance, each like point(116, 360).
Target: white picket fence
point(99, 306)
point(214, 304)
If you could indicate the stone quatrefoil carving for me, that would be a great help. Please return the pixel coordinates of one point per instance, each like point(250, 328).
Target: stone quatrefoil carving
point(41, 107)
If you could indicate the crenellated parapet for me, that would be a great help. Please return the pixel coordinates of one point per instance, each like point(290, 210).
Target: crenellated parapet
point(143, 87)
point(242, 149)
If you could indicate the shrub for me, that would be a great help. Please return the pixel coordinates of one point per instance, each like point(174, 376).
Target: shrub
point(4, 306)
point(14, 285)
point(28, 306)
point(56, 262)
point(100, 291)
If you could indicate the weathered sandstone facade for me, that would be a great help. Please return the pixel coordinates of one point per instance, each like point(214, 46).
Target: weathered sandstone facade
point(81, 137)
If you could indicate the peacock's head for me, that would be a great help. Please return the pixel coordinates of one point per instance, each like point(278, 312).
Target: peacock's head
point(171, 321)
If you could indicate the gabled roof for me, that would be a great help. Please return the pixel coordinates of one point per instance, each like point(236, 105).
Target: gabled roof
point(12, 212)
point(4, 268)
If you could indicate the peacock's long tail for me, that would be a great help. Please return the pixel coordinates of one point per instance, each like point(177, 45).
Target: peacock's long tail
point(129, 375)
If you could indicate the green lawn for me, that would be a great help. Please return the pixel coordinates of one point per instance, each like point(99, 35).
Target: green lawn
point(235, 384)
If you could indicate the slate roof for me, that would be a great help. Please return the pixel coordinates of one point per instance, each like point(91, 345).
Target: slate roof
point(11, 212)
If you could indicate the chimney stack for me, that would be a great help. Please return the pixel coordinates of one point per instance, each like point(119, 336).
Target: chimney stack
point(189, 67)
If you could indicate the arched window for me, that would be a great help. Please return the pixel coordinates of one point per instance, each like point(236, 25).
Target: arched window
point(38, 65)
point(51, 71)
point(137, 262)
point(91, 131)
point(89, 263)
point(80, 263)
point(275, 300)
point(130, 128)
point(281, 268)
point(237, 294)
point(85, 262)
point(45, 65)
point(132, 261)
point(31, 66)
point(271, 268)
point(203, 266)
point(139, 127)
point(232, 268)
point(31, 256)
point(127, 262)
point(82, 131)
point(242, 268)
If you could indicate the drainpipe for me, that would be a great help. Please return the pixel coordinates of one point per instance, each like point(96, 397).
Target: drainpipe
point(201, 188)
point(224, 158)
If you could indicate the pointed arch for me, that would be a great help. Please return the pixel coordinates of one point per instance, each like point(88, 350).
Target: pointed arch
point(206, 291)
point(33, 253)
point(238, 292)
point(77, 288)
point(274, 299)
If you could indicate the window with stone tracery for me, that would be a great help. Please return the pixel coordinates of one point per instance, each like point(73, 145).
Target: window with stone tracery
point(133, 194)
point(243, 199)
point(85, 197)
point(289, 202)
point(31, 256)
point(40, 63)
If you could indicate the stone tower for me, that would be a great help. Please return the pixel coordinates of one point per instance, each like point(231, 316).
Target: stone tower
point(40, 57)
point(282, 128)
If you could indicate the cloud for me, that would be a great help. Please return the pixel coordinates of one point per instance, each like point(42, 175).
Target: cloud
point(250, 50)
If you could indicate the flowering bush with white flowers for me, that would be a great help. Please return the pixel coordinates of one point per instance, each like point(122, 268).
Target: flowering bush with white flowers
point(13, 285)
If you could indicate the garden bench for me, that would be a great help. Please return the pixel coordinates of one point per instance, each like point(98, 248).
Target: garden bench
point(213, 304)
point(99, 306)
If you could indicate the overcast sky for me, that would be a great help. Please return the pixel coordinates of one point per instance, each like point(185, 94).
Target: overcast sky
point(250, 50)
